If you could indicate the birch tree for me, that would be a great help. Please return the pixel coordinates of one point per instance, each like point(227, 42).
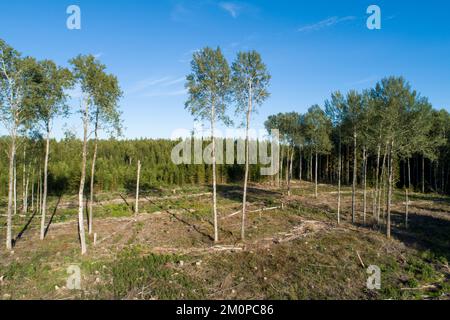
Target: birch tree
point(353, 112)
point(288, 126)
point(318, 128)
point(16, 79)
point(273, 122)
point(419, 124)
point(395, 99)
point(138, 177)
point(250, 80)
point(300, 141)
point(208, 88)
point(85, 70)
point(334, 109)
point(105, 116)
point(366, 134)
point(50, 98)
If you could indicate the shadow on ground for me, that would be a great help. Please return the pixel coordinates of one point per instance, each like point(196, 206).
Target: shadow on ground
point(254, 195)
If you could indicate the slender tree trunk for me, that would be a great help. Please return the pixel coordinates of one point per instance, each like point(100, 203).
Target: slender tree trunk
point(280, 153)
point(291, 168)
point(320, 168)
point(94, 159)
point(311, 166)
point(12, 156)
point(290, 171)
point(348, 165)
point(423, 174)
point(281, 167)
point(406, 208)
point(24, 178)
point(27, 186)
point(307, 169)
point(15, 186)
point(247, 161)
point(32, 192)
point(377, 174)
point(354, 179)
point(316, 174)
point(136, 206)
point(287, 168)
point(300, 163)
point(44, 194)
point(83, 179)
point(365, 184)
point(39, 190)
point(339, 180)
point(216, 227)
point(407, 194)
point(382, 184)
point(391, 169)
point(385, 190)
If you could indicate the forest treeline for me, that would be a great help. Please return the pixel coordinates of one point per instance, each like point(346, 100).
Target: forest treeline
point(115, 168)
point(117, 161)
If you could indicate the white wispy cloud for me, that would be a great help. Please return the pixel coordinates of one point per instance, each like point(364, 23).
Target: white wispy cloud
point(172, 93)
point(146, 83)
point(363, 81)
point(156, 87)
point(329, 22)
point(189, 10)
point(173, 82)
point(232, 8)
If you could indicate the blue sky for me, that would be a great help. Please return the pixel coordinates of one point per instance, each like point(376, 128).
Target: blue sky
point(310, 47)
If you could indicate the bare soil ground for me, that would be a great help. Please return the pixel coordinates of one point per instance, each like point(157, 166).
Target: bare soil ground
point(294, 250)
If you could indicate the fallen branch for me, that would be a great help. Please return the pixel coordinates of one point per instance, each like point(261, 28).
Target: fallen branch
point(181, 196)
point(226, 248)
point(323, 266)
point(360, 260)
point(15, 215)
point(204, 250)
point(250, 211)
point(307, 228)
point(430, 286)
point(114, 233)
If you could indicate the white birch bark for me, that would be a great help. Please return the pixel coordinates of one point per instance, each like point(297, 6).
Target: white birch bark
point(136, 205)
point(12, 155)
point(354, 179)
point(389, 200)
point(82, 179)
point(94, 160)
point(45, 191)
point(247, 161)
point(216, 227)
